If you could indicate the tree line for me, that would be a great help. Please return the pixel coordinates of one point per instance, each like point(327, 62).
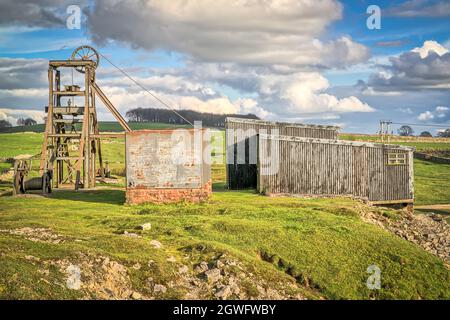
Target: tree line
point(407, 131)
point(168, 116)
point(20, 122)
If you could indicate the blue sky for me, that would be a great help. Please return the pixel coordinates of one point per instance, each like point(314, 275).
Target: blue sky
point(304, 63)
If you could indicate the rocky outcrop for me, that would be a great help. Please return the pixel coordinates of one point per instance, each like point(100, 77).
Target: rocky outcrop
point(430, 231)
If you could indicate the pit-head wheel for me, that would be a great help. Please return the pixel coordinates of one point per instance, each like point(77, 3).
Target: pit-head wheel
point(85, 53)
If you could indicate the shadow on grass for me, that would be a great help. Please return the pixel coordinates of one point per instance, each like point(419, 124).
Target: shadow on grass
point(97, 196)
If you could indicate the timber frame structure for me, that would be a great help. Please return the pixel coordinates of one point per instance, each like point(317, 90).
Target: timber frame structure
point(72, 138)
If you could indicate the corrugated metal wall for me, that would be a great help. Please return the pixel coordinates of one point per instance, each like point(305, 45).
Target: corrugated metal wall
point(305, 166)
point(241, 140)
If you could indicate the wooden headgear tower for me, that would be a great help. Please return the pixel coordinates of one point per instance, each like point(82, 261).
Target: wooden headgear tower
point(71, 150)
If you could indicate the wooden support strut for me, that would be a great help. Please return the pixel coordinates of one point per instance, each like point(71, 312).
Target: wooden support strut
point(111, 107)
point(48, 124)
point(84, 133)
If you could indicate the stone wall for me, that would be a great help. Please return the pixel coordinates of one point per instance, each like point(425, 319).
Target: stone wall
point(140, 195)
point(429, 157)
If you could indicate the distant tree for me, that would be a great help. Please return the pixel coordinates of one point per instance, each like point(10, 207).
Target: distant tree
point(5, 124)
point(426, 134)
point(26, 122)
point(405, 131)
point(168, 116)
point(444, 133)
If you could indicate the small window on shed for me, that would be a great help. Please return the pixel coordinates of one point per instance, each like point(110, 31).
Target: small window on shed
point(395, 159)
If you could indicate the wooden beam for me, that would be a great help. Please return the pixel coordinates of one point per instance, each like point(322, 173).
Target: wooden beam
point(387, 202)
point(111, 107)
point(48, 123)
point(69, 93)
point(87, 128)
point(108, 135)
point(71, 63)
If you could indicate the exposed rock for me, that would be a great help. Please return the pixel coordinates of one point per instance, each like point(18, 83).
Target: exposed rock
point(156, 244)
point(131, 235)
point(430, 231)
point(213, 275)
point(32, 258)
point(159, 288)
point(202, 267)
point(171, 259)
point(183, 269)
point(36, 234)
point(145, 226)
point(137, 266)
point(223, 293)
point(136, 296)
point(97, 277)
point(230, 279)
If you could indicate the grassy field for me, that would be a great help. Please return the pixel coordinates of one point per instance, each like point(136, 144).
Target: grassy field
point(105, 126)
point(432, 183)
point(432, 180)
point(322, 242)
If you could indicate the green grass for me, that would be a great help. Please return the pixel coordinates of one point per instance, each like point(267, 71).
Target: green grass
point(432, 180)
point(12, 145)
point(423, 145)
point(323, 240)
point(107, 126)
point(432, 183)
point(426, 146)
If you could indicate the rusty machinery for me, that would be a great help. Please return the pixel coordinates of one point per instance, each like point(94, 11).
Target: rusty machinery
point(21, 182)
point(71, 149)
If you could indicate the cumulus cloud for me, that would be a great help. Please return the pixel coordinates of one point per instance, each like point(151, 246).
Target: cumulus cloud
point(428, 47)
point(440, 114)
point(304, 93)
point(270, 52)
point(250, 32)
point(277, 92)
point(12, 115)
point(16, 73)
point(427, 67)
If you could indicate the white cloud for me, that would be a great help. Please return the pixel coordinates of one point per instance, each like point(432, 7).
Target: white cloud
point(425, 116)
point(429, 46)
point(285, 32)
point(426, 67)
point(269, 52)
point(18, 93)
point(304, 93)
point(12, 115)
point(440, 114)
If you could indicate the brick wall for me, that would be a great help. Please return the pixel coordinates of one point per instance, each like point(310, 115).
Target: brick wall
point(140, 194)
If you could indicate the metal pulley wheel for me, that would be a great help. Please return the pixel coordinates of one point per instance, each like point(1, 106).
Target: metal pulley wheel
point(86, 53)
